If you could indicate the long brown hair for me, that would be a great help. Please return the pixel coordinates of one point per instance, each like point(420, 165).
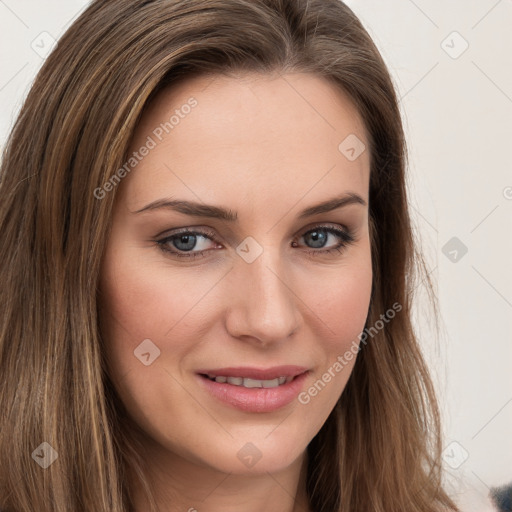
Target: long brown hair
point(379, 450)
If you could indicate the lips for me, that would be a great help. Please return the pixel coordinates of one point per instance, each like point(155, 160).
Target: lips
point(254, 389)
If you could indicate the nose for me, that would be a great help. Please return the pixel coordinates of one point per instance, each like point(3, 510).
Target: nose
point(263, 308)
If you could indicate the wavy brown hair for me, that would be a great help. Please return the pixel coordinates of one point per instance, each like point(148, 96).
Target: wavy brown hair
point(379, 450)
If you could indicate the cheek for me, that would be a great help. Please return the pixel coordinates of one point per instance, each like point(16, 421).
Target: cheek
point(139, 302)
point(341, 300)
point(341, 305)
point(347, 305)
point(146, 299)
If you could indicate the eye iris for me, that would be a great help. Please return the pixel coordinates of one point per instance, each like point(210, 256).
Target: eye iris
point(319, 238)
point(189, 240)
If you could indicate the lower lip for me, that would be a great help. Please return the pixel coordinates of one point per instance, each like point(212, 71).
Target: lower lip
point(255, 399)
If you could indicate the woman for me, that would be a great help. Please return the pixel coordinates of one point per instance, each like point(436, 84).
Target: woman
point(207, 270)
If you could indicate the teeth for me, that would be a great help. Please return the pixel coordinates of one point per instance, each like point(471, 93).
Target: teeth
point(246, 382)
point(270, 383)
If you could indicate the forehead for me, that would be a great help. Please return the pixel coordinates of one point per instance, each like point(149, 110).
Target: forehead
point(255, 138)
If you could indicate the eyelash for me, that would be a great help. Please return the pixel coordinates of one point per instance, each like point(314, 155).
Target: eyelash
point(346, 238)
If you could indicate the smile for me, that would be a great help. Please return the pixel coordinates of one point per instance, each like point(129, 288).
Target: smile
point(247, 382)
point(254, 390)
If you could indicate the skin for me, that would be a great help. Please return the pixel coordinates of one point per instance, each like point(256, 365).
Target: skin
point(266, 147)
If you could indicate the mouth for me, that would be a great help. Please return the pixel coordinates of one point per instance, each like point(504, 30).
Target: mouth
point(253, 389)
point(247, 382)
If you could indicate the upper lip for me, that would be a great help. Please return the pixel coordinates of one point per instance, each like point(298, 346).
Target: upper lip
point(256, 373)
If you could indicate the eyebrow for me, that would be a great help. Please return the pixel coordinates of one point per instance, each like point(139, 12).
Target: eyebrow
point(216, 212)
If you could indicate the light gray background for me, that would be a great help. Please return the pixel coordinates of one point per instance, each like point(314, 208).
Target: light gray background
point(457, 109)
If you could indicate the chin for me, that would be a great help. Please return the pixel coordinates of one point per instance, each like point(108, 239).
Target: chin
point(249, 455)
point(260, 463)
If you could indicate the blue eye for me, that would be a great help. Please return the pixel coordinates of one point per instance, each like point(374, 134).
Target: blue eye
point(320, 235)
point(184, 244)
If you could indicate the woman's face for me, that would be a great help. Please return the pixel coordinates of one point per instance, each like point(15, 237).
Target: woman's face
point(223, 276)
